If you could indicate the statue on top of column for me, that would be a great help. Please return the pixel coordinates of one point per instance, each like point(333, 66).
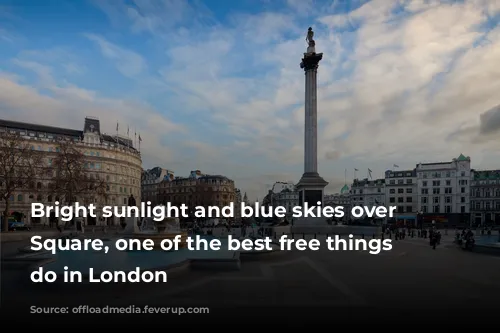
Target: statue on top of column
point(310, 41)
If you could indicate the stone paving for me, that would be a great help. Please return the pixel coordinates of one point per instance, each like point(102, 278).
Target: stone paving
point(407, 276)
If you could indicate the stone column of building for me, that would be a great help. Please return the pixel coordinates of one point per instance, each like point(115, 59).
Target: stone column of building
point(311, 185)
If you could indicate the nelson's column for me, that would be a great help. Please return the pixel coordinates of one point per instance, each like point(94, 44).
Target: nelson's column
point(311, 186)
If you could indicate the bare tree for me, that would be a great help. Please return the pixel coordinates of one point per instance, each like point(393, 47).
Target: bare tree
point(71, 177)
point(20, 167)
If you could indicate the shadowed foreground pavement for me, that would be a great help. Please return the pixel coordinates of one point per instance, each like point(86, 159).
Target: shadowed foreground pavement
point(405, 277)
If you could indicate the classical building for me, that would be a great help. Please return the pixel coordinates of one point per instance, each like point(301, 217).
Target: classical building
point(401, 191)
point(368, 193)
point(149, 183)
point(287, 198)
point(443, 191)
point(485, 197)
point(107, 157)
point(198, 190)
point(343, 198)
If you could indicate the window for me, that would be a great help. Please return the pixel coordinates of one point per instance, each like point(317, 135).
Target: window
point(425, 191)
point(436, 183)
point(392, 191)
point(392, 200)
point(401, 190)
point(462, 209)
point(400, 199)
point(448, 183)
point(392, 182)
point(462, 190)
point(409, 190)
point(424, 209)
point(424, 183)
point(423, 200)
point(436, 191)
point(409, 181)
point(448, 190)
point(409, 199)
point(409, 209)
point(462, 182)
point(447, 199)
point(436, 209)
point(19, 197)
point(436, 200)
point(447, 209)
point(462, 199)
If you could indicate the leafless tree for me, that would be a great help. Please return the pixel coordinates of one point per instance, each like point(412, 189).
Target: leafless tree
point(20, 168)
point(72, 179)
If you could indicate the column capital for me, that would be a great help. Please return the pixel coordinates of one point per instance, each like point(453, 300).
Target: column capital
point(311, 61)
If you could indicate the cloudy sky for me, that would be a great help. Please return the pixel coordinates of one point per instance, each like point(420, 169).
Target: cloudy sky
point(217, 86)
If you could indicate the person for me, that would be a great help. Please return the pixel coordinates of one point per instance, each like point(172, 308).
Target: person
point(131, 200)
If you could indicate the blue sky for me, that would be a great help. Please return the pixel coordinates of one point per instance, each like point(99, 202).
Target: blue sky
point(216, 85)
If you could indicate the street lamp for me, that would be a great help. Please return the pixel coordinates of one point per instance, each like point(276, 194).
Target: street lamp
point(420, 219)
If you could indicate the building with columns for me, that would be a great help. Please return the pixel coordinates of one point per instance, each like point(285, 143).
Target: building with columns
point(444, 191)
point(485, 197)
point(110, 158)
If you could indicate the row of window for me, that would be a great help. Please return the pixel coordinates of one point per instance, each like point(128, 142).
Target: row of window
point(440, 174)
point(437, 209)
point(485, 205)
point(487, 193)
point(461, 182)
point(447, 190)
point(447, 199)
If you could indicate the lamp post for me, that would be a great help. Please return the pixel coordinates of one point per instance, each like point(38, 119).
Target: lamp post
point(420, 219)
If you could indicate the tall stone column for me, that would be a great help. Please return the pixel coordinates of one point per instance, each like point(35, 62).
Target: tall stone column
point(311, 185)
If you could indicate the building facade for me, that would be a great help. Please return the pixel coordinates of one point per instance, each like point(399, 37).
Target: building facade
point(343, 198)
point(287, 198)
point(107, 157)
point(198, 190)
point(444, 191)
point(401, 191)
point(368, 193)
point(485, 197)
point(149, 183)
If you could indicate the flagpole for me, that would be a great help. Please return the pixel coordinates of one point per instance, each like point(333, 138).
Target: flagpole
point(345, 176)
point(354, 174)
point(135, 137)
point(117, 126)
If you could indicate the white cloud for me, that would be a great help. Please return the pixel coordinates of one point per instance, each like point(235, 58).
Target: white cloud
point(400, 82)
point(127, 62)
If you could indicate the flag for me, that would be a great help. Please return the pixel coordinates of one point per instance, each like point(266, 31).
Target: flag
point(117, 126)
point(396, 166)
point(128, 130)
point(140, 137)
point(356, 169)
point(369, 173)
